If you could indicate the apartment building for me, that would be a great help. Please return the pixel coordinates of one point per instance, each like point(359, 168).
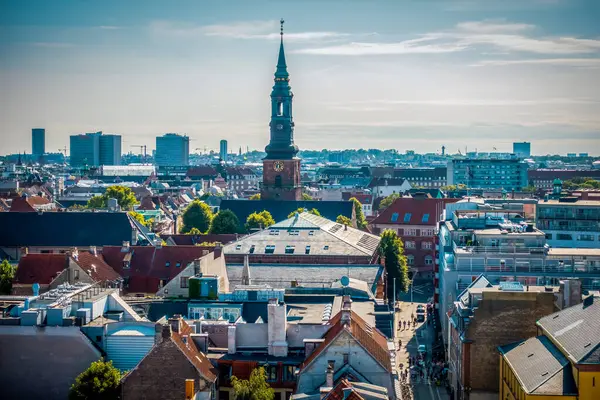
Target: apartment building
point(570, 222)
point(488, 173)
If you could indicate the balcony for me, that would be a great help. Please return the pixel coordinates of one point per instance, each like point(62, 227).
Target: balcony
point(498, 250)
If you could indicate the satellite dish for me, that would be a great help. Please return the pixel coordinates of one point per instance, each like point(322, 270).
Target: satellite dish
point(345, 281)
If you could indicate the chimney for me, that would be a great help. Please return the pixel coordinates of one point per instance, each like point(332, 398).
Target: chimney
point(166, 331)
point(175, 323)
point(75, 253)
point(189, 389)
point(218, 250)
point(346, 310)
point(125, 247)
point(231, 345)
point(93, 250)
point(246, 271)
point(329, 374)
point(201, 341)
point(277, 329)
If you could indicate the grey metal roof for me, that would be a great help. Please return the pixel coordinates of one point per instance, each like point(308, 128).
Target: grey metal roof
point(577, 330)
point(293, 235)
point(280, 276)
point(540, 367)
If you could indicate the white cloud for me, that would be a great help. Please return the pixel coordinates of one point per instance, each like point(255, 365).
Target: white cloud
point(260, 30)
point(572, 62)
point(489, 26)
point(109, 27)
point(405, 47)
point(367, 104)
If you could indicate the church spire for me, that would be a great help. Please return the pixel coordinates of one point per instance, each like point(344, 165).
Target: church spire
point(281, 71)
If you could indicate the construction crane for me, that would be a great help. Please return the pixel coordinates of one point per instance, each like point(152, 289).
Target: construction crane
point(142, 147)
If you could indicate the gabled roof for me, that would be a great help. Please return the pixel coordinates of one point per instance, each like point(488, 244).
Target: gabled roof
point(373, 341)
point(148, 265)
point(40, 268)
point(363, 198)
point(96, 267)
point(28, 203)
point(325, 238)
point(64, 229)
point(540, 367)
point(576, 330)
point(196, 357)
point(411, 211)
point(181, 239)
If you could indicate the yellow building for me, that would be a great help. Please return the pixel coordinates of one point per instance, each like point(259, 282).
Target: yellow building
point(563, 362)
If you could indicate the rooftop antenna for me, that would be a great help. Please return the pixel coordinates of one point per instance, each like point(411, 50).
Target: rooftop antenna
point(281, 22)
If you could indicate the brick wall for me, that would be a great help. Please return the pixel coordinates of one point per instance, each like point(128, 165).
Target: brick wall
point(163, 373)
point(500, 319)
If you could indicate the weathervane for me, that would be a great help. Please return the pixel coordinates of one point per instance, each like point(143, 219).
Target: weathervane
point(281, 22)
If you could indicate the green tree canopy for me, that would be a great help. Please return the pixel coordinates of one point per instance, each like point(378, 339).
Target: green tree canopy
point(140, 218)
point(343, 220)
point(99, 382)
point(361, 222)
point(259, 220)
point(124, 196)
point(255, 196)
point(386, 202)
point(255, 388)
point(302, 209)
point(196, 215)
point(225, 222)
point(306, 197)
point(392, 249)
point(7, 274)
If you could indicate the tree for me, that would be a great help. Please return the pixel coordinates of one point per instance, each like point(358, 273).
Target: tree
point(306, 197)
point(300, 210)
point(392, 249)
point(7, 274)
point(124, 196)
point(255, 196)
point(225, 222)
point(194, 231)
point(100, 381)
point(343, 220)
point(260, 220)
point(196, 215)
point(529, 189)
point(361, 222)
point(386, 202)
point(255, 388)
point(140, 218)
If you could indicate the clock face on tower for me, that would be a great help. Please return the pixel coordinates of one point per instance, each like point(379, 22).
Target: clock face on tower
point(278, 166)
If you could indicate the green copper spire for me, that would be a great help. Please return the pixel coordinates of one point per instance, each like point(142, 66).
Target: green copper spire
point(281, 71)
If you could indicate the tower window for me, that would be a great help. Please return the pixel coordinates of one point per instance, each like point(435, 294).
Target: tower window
point(278, 181)
point(279, 109)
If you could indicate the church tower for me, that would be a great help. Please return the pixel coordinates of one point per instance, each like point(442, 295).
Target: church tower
point(281, 167)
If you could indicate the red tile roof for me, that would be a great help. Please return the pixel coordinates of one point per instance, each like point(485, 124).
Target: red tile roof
point(417, 207)
point(147, 204)
point(96, 267)
point(149, 265)
point(189, 349)
point(373, 341)
point(40, 268)
point(338, 392)
point(27, 203)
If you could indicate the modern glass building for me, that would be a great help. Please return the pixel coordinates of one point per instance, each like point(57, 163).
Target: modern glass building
point(172, 150)
point(488, 173)
point(522, 149)
point(223, 150)
point(569, 222)
point(85, 149)
point(110, 149)
point(38, 142)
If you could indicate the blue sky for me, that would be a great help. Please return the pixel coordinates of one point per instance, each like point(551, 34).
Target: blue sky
point(387, 74)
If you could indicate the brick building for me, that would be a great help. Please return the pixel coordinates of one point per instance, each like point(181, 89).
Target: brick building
point(485, 317)
point(415, 219)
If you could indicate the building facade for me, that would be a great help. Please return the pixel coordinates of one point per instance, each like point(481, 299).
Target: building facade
point(172, 150)
point(569, 222)
point(110, 149)
point(85, 149)
point(223, 150)
point(544, 178)
point(38, 142)
point(281, 167)
point(488, 173)
point(522, 149)
point(429, 178)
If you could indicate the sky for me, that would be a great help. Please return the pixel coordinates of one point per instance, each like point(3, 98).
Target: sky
point(402, 74)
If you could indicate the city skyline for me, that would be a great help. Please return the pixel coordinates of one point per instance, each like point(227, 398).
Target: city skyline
point(403, 76)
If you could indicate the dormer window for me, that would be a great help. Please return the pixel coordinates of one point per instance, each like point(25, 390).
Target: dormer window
point(126, 264)
point(167, 264)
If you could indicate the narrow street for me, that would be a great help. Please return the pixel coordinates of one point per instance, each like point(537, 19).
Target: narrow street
point(421, 386)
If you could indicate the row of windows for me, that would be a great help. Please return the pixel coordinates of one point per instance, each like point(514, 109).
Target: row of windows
point(410, 260)
point(413, 245)
point(413, 232)
point(568, 236)
point(407, 217)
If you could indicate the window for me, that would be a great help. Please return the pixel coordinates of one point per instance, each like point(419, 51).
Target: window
point(279, 109)
point(410, 232)
point(326, 247)
point(425, 218)
point(167, 264)
point(428, 260)
point(563, 236)
point(548, 236)
point(307, 250)
point(178, 265)
point(183, 282)
point(294, 233)
point(278, 181)
point(271, 371)
point(238, 246)
point(427, 232)
point(274, 232)
point(98, 338)
point(410, 245)
point(311, 233)
point(252, 249)
point(288, 373)
point(346, 356)
point(270, 249)
point(76, 274)
point(410, 259)
point(407, 217)
point(586, 238)
point(426, 245)
point(394, 217)
point(289, 249)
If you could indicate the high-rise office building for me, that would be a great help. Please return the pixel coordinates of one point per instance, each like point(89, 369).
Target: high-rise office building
point(38, 142)
point(488, 173)
point(522, 149)
point(95, 149)
point(172, 150)
point(223, 150)
point(110, 149)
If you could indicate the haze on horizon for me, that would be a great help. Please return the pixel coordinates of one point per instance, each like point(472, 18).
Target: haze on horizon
point(384, 74)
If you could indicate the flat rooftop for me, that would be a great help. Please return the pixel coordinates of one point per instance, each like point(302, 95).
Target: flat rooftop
point(496, 231)
point(573, 252)
point(578, 203)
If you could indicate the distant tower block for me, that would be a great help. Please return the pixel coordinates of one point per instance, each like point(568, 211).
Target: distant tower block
point(443, 150)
